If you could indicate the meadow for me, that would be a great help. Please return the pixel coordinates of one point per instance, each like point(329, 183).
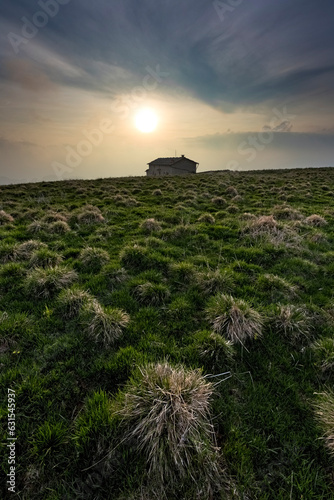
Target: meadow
point(170, 338)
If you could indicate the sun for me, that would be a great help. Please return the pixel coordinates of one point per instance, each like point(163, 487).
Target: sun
point(146, 120)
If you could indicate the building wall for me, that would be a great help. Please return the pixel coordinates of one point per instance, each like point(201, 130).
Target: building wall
point(162, 170)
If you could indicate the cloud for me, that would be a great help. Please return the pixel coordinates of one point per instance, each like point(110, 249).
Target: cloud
point(27, 75)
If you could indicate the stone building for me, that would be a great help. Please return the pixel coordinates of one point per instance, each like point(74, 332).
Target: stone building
point(171, 166)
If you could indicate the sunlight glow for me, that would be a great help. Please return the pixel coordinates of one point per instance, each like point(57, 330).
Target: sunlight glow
point(146, 120)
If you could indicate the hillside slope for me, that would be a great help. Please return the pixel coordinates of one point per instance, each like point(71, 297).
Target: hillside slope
point(123, 288)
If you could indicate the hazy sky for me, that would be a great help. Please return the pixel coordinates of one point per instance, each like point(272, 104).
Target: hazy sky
point(235, 84)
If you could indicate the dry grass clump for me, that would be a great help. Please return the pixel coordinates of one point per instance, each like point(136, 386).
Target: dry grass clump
point(213, 349)
point(43, 283)
point(206, 217)
point(318, 238)
point(263, 224)
point(150, 225)
point(27, 248)
point(90, 215)
point(157, 192)
point(315, 220)
point(324, 354)
point(285, 212)
point(232, 209)
point(103, 324)
point(36, 226)
point(71, 300)
point(45, 258)
point(211, 282)
point(325, 412)
point(94, 258)
point(231, 191)
point(237, 199)
point(292, 322)
point(166, 411)
point(5, 218)
point(247, 216)
point(234, 318)
point(54, 217)
point(151, 294)
point(58, 227)
point(219, 200)
point(273, 283)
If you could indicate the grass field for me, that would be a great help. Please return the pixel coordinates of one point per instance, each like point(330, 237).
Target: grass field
point(169, 338)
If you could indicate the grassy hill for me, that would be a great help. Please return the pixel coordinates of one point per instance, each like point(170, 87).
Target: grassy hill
point(169, 338)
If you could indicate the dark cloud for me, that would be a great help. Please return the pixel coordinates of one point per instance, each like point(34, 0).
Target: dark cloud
point(261, 50)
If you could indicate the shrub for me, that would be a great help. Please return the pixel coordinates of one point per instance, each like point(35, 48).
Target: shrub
point(94, 258)
point(206, 217)
point(43, 283)
point(166, 411)
point(103, 324)
point(151, 294)
point(70, 301)
point(5, 218)
point(150, 225)
point(234, 318)
point(45, 258)
point(291, 321)
point(315, 220)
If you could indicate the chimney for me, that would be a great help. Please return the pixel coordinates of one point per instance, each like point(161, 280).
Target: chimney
point(182, 156)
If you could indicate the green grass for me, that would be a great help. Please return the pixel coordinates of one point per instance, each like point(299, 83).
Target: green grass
point(120, 299)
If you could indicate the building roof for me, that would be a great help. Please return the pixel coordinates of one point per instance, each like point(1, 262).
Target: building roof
point(168, 162)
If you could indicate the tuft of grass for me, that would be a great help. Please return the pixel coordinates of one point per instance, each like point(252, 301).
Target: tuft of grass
point(324, 354)
point(212, 282)
point(315, 220)
point(37, 226)
point(207, 218)
point(234, 318)
point(219, 200)
point(27, 248)
point(157, 192)
point(274, 283)
point(291, 322)
point(103, 324)
point(214, 350)
point(58, 227)
point(44, 283)
point(166, 411)
point(324, 407)
point(150, 226)
point(90, 215)
point(94, 258)
point(45, 258)
point(70, 301)
point(151, 294)
point(5, 218)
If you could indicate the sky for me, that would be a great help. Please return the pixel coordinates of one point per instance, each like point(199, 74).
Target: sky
point(234, 84)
